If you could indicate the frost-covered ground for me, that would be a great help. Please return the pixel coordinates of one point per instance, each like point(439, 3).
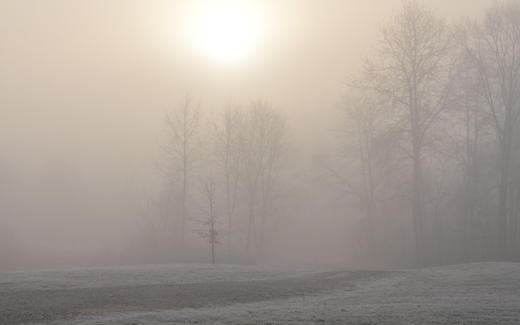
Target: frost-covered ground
point(139, 275)
point(483, 293)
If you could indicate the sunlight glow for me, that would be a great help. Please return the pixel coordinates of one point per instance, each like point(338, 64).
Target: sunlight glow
point(227, 31)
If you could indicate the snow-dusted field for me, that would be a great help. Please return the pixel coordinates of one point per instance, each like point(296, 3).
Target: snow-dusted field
point(482, 293)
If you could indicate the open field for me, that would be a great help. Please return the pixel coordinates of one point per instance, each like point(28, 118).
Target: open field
point(484, 293)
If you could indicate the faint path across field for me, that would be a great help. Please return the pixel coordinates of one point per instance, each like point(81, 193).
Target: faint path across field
point(18, 306)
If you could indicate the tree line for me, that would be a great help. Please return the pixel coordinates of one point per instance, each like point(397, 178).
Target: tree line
point(222, 174)
point(428, 159)
point(433, 121)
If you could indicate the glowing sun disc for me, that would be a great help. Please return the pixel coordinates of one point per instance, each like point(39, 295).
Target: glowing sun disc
point(228, 31)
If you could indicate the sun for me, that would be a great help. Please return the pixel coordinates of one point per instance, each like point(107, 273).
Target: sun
point(226, 31)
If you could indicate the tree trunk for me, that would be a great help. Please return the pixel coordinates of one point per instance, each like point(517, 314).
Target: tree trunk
point(502, 210)
point(183, 204)
point(417, 205)
point(250, 226)
point(213, 238)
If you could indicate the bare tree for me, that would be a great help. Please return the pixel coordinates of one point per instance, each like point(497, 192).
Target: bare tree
point(494, 47)
point(470, 118)
point(369, 137)
point(228, 152)
point(211, 234)
point(274, 129)
point(262, 140)
point(413, 72)
point(183, 124)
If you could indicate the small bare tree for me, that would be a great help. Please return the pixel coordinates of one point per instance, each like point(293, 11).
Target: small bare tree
point(210, 234)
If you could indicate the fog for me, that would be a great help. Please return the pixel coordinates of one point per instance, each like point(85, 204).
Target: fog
point(93, 96)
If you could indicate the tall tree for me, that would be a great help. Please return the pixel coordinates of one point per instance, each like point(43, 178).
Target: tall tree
point(183, 124)
point(263, 135)
point(228, 152)
point(470, 117)
point(494, 47)
point(369, 138)
point(412, 71)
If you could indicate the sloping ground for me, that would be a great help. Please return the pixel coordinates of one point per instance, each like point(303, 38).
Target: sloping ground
point(484, 293)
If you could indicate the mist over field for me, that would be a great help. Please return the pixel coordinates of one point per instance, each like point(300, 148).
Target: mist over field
point(259, 162)
point(379, 134)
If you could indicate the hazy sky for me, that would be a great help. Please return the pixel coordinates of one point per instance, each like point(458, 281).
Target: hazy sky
point(85, 84)
point(75, 74)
